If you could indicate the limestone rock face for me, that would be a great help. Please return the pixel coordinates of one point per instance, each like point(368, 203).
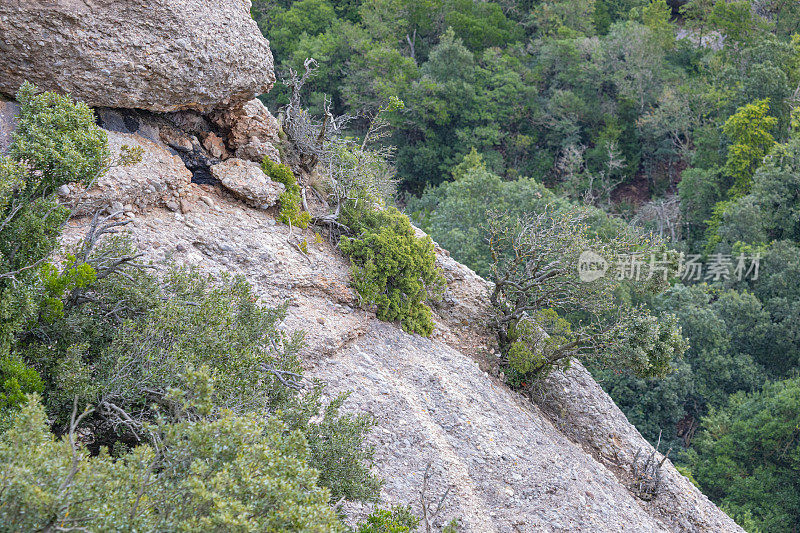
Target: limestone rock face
point(8, 123)
point(246, 181)
point(160, 55)
point(153, 181)
point(252, 131)
point(562, 463)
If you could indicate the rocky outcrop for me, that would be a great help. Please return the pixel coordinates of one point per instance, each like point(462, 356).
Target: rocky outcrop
point(8, 123)
point(246, 181)
point(148, 54)
point(562, 463)
point(252, 131)
point(153, 181)
point(583, 412)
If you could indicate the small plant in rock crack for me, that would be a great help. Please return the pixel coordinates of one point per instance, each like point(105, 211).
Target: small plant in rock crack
point(647, 473)
point(291, 200)
point(398, 519)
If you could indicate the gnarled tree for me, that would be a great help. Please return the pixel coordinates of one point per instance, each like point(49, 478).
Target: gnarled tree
point(546, 313)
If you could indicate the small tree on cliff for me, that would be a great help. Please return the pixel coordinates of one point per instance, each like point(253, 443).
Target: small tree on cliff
point(545, 315)
point(56, 142)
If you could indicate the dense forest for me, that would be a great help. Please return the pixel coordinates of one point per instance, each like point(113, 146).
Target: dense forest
point(678, 118)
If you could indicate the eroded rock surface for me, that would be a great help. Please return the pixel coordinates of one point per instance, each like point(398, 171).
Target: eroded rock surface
point(8, 123)
point(161, 55)
point(512, 465)
point(247, 181)
point(153, 181)
point(252, 131)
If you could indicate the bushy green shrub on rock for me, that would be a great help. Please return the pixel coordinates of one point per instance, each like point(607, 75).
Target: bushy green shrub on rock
point(395, 520)
point(290, 200)
point(392, 267)
point(56, 142)
point(231, 473)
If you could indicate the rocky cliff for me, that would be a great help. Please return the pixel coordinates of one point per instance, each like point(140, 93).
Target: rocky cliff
point(162, 56)
point(560, 459)
point(562, 463)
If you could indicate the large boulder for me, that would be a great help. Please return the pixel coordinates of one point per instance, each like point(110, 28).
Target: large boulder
point(147, 54)
point(247, 182)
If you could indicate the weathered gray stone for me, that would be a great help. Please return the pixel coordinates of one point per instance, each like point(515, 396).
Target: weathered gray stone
point(142, 185)
point(215, 146)
point(149, 54)
point(8, 123)
point(252, 131)
point(246, 181)
point(257, 150)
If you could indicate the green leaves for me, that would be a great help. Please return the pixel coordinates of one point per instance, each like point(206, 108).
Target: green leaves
point(16, 380)
point(392, 268)
point(58, 138)
point(232, 473)
point(290, 200)
point(56, 141)
point(750, 132)
point(545, 314)
point(455, 213)
point(395, 520)
point(749, 454)
point(649, 344)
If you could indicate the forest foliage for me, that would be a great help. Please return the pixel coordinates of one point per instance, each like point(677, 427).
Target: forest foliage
point(677, 117)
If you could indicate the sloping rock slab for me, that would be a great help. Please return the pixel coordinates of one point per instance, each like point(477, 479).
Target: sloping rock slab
point(585, 413)
point(509, 469)
point(511, 466)
point(161, 55)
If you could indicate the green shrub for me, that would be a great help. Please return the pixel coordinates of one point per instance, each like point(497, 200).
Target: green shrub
point(58, 138)
point(533, 339)
point(127, 343)
point(391, 267)
point(545, 315)
point(290, 200)
point(187, 321)
point(56, 142)
point(232, 473)
point(747, 455)
point(16, 380)
point(336, 444)
point(197, 422)
point(398, 519)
